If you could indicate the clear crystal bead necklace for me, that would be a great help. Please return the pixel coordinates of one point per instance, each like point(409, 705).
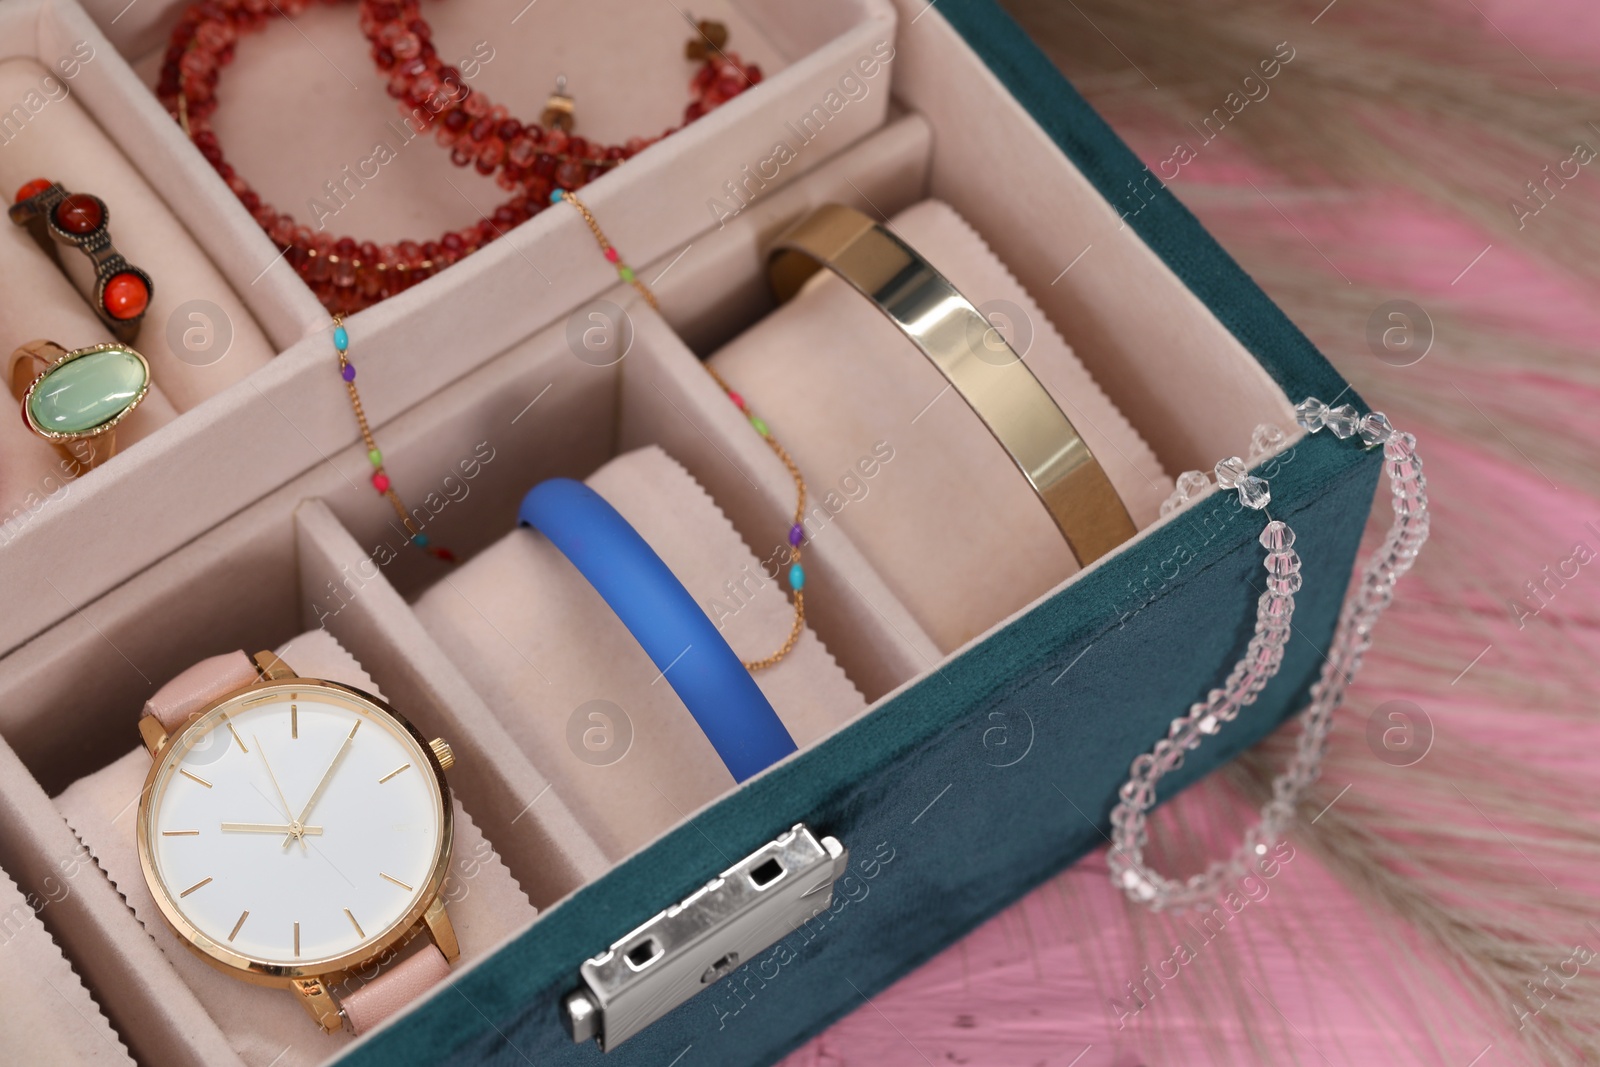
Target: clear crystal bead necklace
point(1264, 655)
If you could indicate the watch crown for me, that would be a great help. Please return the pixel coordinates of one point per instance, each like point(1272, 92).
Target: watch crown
point(443, 753)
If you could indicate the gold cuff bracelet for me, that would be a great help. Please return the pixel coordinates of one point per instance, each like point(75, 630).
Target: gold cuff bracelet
point(1010, 400)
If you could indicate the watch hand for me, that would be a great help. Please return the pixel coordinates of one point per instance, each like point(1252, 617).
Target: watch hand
point(316, 794)
point(268, 828)
point(294, 827)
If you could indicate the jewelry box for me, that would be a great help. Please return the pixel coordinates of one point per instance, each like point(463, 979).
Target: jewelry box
point(963, 760)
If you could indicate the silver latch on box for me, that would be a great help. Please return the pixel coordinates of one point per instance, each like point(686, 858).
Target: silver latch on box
point(692, 944)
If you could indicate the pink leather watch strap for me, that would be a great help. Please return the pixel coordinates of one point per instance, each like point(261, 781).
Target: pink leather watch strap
point(199, 685)
point(395, 988)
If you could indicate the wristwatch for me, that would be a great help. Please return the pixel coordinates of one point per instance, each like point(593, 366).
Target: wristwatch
point(296, 832)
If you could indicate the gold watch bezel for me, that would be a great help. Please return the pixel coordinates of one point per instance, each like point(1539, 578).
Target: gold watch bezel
point(262, 972)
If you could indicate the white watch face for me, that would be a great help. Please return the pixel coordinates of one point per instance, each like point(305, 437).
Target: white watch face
point(295, 825)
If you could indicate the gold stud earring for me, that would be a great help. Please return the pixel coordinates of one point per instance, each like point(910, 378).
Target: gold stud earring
point(710, 36)
point(558, 111)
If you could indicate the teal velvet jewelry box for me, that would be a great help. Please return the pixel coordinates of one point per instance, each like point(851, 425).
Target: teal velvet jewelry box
point(962, 790)
point(251, 519)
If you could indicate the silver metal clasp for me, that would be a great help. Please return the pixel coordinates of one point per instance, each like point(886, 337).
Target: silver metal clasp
point(694, 943)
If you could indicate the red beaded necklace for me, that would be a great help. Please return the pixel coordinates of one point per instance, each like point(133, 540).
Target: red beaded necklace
point(530, 160)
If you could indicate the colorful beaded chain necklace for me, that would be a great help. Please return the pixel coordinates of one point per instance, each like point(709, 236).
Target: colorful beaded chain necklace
point(380, 476)
point(797, 530)
point(527, 159)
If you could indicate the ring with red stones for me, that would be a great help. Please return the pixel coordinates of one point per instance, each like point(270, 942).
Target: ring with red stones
point(54, 217)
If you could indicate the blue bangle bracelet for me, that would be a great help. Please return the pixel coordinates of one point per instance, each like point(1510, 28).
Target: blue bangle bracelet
point(662, 616)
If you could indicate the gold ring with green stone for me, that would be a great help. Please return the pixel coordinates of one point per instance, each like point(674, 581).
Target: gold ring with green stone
point(75, 399)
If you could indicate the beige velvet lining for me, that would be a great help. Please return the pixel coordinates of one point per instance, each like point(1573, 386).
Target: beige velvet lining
point(49, 1016)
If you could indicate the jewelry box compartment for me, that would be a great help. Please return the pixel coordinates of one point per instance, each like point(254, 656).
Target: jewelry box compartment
point(50, 1016)
point(124, 248)
point(190, 472)
point(73, 778)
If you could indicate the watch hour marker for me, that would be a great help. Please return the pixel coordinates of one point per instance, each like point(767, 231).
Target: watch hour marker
point(195, 777)
point(359, 932)
point(197, 885)
point(356, 727)
point(235, 734)
point(390, 878)
point(294, 721)
point(180, 833)
point(243, 915)
point(296, 940)
point(392, 773)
